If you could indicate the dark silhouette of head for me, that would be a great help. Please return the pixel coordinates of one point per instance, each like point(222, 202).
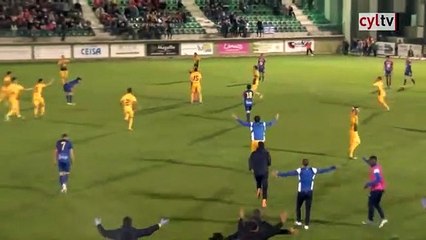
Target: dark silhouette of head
point(257, 214)
point(129, 90)
point(256, 118)
point(261, 146)
point(248, 87)
point(252, 226)
point(127, 222)
point(305, 162)
point(372, 160)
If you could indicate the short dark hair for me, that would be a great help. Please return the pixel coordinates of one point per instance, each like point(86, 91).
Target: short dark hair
point(13, 79)
point(373, 157)
point(8, 72)
point(195, 69)
point(257, 118)
point(40, 80)
point(248, 86)
point(261, 145)
point(64, 135)
point(305, 162)
point(129, 90)
point(127, 221)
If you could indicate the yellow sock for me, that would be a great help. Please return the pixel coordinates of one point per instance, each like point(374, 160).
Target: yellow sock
point(35, 111)
point(192, 97)
point(200, 97)
point(42, 110)
point(352, 148)
point(130, 123)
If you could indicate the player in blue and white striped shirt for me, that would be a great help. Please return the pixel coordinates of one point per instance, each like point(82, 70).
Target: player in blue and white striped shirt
point(306, 175)
point(257, 129)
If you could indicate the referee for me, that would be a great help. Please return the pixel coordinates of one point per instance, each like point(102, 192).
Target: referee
point(305, 188)
point(259, 163)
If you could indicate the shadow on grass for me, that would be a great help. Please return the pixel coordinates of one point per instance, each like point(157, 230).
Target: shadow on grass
point(371, 117)
point(301, 152)
point(201, 219)
point(169, 83)
point(226, 108)
point(334, 223)
point(26, 189)
point(163, 108)
point(344, 104)
point(212, 135)
point(200, 165)
point(411, 130)
point(165, 98)
point(237, 84)
point(204, 117)
point(93, 125)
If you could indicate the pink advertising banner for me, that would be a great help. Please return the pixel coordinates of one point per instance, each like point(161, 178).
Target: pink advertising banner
point(233, 48)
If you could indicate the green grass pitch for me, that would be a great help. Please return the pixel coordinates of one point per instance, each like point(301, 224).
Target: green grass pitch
point(189, 162)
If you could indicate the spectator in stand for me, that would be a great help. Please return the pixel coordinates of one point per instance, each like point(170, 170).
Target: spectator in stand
point(259, 28)
point(291, 11)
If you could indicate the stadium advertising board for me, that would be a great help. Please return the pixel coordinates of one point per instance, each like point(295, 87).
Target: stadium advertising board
point(166, 49)
point(268, 47)
point(127, 50)
point(15, 53)
point(226, 48)
point(199, 48)
point(91, 51)
point(403, 50)
point(52, 51)
point(297, 46)
point(385, 48)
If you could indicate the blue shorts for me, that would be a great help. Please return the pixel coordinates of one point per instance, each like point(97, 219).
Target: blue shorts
point(67, 89)
point(408, 74)
point(261, 69)
point(64, 166)
point(388, 73)
point(248, 107)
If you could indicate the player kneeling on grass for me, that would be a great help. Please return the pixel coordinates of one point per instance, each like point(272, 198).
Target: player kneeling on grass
point(127, 231)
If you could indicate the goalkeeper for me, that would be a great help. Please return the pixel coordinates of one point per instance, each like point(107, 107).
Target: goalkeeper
point(127, 231)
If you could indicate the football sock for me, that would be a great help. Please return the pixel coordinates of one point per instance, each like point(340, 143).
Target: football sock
point(248, 117)
point(412, 80)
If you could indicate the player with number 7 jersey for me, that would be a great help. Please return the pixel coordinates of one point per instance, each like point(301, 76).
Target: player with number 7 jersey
point(64, 157)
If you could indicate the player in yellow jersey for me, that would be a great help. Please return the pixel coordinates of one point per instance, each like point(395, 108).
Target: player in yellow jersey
point(197, 60)
point(354, 140)
point(128, 101)
point(63, 69)
point(4, 87)
point(195, 78)
point(256, 81)
point(14, 92)
point(381, 92)
point(38, 99)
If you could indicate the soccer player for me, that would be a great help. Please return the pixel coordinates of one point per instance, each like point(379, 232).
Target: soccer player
point(248, 95)
point(377, 187)
point(388, 67)
point(195, 77)
point(256, 81)
point(13, 92)
point(259, 163)
point(305, 188)
point(128, 101)
point(354, 139)
point(381, 92)
point(64, 157)
point(261, 61)
point(63, 69)
point(197, 60)
point(68, 89)
point(257, 129)
point(38, 99)
point(408, 74)
point(7, 79)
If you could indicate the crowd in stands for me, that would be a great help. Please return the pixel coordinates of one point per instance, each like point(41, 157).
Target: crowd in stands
point(142, 19)
point(31, 17)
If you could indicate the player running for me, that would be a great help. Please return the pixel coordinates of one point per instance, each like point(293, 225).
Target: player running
point(64, 157)
point(256, 81)
point(388, 68)
point(408, 74)
point(38, 99)
point(7, 80)
point(261, 61)
point(248, 95)
point(128, 101)
point(381, 92)
point(14, 92)
point(68, 89)
point(63, 69)
point(354, 140)
point(257, 129)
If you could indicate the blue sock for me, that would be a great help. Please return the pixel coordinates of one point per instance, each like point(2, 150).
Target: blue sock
point(61, 180)
point(66, 178)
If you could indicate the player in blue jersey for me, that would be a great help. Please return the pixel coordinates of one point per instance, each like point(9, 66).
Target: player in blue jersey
point(248, 101)
point(257, 129)
point(261, 61)
point(408, 74)
point(68, 89)
point(64, 157)
point(388, 69)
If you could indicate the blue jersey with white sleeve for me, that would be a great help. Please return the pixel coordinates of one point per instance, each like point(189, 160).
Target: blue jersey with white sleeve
point(408, 70)
point(63, 150)
point(306, 176)
point(70, 85)
point(248, 99)
point(257, 129)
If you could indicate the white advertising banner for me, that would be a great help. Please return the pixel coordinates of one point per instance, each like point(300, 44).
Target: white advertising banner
point(298, 46)
point(403, 50)
point(385, 48)
point(127, 50)
point(15, 53)
point(52, 51)
point(91, 51)
point(200, 48)
point(268, 47)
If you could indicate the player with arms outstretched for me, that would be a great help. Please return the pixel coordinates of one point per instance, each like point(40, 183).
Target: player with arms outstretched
point(408, 73)
point(261, 61)
point(248, 95)
point(63, 69)
point(38, 99)
point(68, 89)
point(388, 68)
point(381, 92)
point(128, 101)
point(14, 92)
point(195, 78)
point(257, 129)
point(64, 157)
point(354, 139)
point(256, 81)
point(7, 80)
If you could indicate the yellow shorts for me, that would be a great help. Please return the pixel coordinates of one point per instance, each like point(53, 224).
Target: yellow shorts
point(63, 74)
point(38, 102)
point(354, 138)
point(195, 88)
point(381, 98)
point(14, 106)
point(128, 112)
point(254, 87)
point(254, 144)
